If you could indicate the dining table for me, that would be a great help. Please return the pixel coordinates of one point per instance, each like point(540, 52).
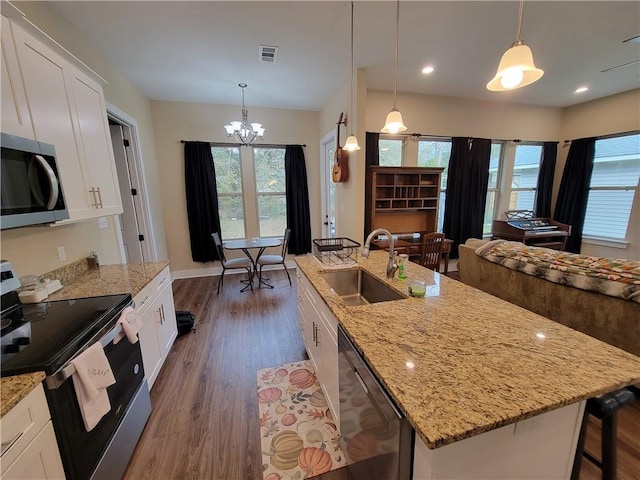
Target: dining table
point(251, 246)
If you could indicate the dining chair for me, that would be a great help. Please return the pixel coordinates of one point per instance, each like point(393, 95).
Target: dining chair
point(275, 259)
point(431, 250)
point(233, 263)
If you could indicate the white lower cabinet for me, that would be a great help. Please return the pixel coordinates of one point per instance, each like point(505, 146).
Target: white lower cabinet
point(319, 328)
point(541, 447)
point(29, 447)
point(156, 311)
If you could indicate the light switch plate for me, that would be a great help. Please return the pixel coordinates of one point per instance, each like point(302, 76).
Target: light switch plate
point(102, 223)
point(62, 256)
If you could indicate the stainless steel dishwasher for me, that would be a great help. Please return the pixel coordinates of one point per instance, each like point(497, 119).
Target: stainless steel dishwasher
point(376, 438)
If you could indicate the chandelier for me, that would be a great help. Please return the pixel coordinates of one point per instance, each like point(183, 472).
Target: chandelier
point(244, 132)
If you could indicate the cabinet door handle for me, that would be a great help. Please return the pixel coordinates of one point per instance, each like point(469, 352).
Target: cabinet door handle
point(6, 446)
point(144, 301)
point(99, 198)
point(93, 192)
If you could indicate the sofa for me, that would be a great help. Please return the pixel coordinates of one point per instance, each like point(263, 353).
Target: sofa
point(612, 319)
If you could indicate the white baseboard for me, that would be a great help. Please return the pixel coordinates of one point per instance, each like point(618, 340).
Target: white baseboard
point(216, 271)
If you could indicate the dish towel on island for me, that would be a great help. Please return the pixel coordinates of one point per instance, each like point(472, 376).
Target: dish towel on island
point(90, 381)
point(130, 326)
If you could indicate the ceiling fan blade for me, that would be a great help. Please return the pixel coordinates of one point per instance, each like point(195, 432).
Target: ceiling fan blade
point(620, 66)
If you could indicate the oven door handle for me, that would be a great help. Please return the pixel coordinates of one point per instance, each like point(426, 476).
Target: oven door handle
point(54, 381)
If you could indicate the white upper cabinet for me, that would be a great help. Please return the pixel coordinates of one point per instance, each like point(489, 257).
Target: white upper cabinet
point(15, 111)
point(67, 109)
point(48, 89)
point(94, 134)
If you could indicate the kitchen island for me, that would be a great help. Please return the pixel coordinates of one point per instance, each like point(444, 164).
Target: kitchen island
point(460, 363)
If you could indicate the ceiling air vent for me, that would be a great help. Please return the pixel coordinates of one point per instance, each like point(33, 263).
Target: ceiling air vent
point(268, 54)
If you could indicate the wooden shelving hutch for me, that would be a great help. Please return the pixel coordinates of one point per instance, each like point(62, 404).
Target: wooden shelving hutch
point(402, 199)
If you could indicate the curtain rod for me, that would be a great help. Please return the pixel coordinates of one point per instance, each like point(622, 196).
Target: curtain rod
point(224, 144)
point(449, 137)
point(610, 135)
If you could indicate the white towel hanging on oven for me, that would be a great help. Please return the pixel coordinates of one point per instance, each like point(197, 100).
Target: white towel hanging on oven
point(130, 326)
point(92, 377)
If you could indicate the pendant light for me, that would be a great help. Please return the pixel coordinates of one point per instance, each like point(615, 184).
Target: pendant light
point(394, 123)
point(351, 143)
point(516, 67)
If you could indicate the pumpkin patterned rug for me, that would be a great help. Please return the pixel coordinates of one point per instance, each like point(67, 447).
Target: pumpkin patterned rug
point(298, 434)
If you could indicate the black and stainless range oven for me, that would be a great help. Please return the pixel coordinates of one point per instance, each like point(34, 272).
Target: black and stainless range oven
point(46, 337)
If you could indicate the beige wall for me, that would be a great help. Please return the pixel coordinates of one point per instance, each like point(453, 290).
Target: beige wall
point(451, 116)
point(615, 114)
point(33, 249)
point(175, 121)
point(349, 199)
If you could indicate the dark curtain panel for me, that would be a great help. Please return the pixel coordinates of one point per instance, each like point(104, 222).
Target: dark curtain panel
point(372, 152)
point(202, 200)
point(467, 185)
point(545, 180)
point(298, 217)
point(571, 206)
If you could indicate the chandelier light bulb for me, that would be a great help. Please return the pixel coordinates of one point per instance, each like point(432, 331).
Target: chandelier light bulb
point(511, 77)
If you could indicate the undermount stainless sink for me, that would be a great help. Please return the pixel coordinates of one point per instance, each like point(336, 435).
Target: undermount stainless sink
point(358, 287)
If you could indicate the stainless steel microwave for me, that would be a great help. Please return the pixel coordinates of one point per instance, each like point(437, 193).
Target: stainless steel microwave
point(31, 191)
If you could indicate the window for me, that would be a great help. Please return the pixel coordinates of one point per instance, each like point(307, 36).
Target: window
point(251, 191)
point(492, 187)
point(271, 191)
point(229, 184)
point(614, 183)
point(436, 153)
point(390, 151)
point(525, 177)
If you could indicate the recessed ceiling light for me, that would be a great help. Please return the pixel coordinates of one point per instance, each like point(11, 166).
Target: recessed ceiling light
point(581, 89)
point(427, 70)
point(635, 39)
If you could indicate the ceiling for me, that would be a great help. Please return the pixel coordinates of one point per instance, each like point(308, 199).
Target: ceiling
point(199, 51)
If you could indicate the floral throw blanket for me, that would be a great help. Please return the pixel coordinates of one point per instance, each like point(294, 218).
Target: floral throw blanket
point(614, 277)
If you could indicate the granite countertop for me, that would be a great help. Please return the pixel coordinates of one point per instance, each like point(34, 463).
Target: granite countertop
point(460, 362)
point(14, 389)
point(110, 280)
point(106, 280)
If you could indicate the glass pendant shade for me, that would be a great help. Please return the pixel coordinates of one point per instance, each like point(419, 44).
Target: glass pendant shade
point(351, 144)
point(394, 123)
point(516, 69)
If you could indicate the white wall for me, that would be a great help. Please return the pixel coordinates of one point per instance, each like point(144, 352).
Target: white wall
point(175, 121)
point(33, 249)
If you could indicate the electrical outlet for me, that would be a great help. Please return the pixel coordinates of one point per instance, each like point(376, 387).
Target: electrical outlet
point(102, 223)
point(62, 256)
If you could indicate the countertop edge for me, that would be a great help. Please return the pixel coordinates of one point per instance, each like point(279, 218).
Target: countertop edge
point(14, 389)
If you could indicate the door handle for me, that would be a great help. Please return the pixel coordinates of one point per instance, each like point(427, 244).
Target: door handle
point(6, 446)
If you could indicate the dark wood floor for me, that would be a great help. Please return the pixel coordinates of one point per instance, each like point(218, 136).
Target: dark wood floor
point(204, 420)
